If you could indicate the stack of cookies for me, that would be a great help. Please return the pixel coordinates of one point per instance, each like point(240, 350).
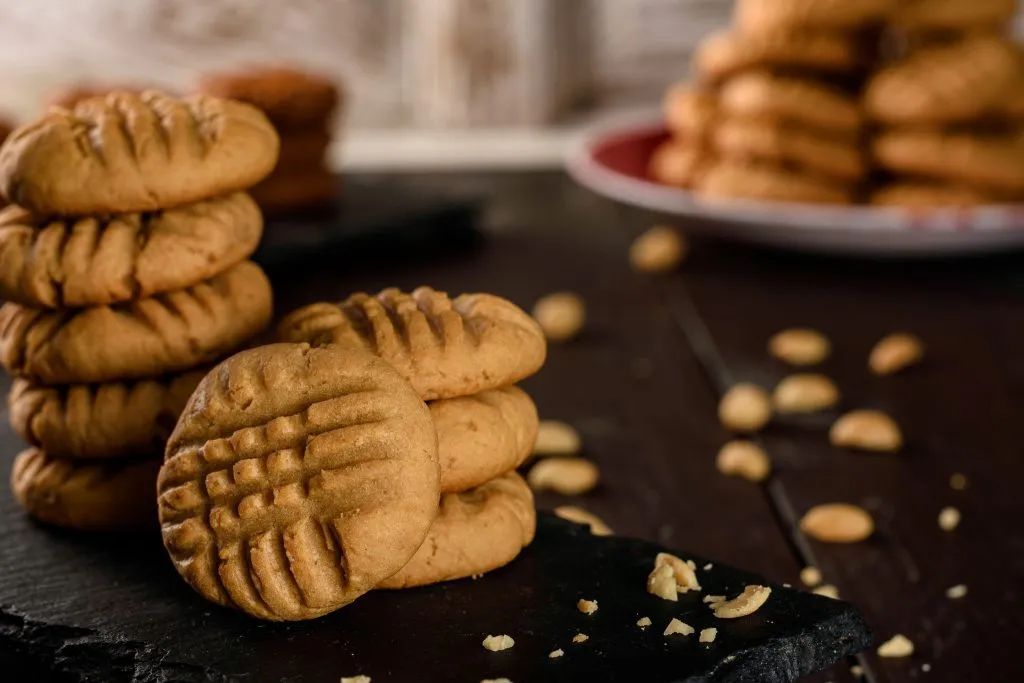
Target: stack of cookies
point(123, 264)
point(302, 106)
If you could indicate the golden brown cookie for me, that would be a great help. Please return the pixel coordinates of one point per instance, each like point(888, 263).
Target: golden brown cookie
point(763, 95)
point(921, 195)
point(94, 421)
point(69, 96)
point(483, 436)
point(287, 95)
point(55, 263)
point(946, 84)
point(689, 111)
point(738, 180)
point(109, 496)
point(766, 141)
point(146, 338)
point(297, 479)
point(757, 15)
point(295, 188)
point(677, 163)
point(129, 153)
point(994, 162)
point(475, 532)
point(951, 15)
point(303, 149)
point(444, 347)
point(726, 53)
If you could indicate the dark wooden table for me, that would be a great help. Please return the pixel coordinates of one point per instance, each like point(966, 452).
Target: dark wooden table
point(643, 382)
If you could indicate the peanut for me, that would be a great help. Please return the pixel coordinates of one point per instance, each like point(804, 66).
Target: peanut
point(581, 516)
point(747, 602)
point(800, 346)
point(659, 250)
point(744, 408)
point(568, 476)
point(837, 523)
point(897, 646)
point(869, 430)
point(805, 393)
point(560, 315)
point(744, 459)
point(555, 437)
point(894, 353)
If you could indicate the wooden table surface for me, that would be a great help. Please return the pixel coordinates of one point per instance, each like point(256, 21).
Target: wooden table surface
point(643, 382)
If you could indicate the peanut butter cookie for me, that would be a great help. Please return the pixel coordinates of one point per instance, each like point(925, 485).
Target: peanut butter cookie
point(765, 141)
point(127, 153)
point(288, 96)
point(922, 195)
point(758, 15)
point(444, 347)
point(763, 95)
point(475, 532)
point(725, 53)
point(297, 479)
point(147, 338)
point(678, 163)
point(296, 188)
point(689, 111)
point(952, 15)
point(741, 180)
point(992, 162)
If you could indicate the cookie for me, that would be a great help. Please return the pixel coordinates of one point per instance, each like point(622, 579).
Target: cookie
point(297, 479)
point(689, 111)
point(994, 162)
point(766, 141)
point(758, 15)
point(760, 94)
point(69, 96)
point(950, 83)
point(108, 496)
point(303, 149)
point(677, 163)
point(99, 421)
point(737, 180)
point(922, 195)
point(293, 189)
point(288, 96)
point(952, 15)
point(475, 532)
point(483, 436)
point(726, 53)
point(146, 338)
point(55, 263)
point(130, 153)
point(444, 347)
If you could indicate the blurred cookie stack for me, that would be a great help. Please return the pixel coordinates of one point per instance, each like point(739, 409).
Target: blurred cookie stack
point(123, 264)
point(463, 357)
point(303, 107)
point(949, 108)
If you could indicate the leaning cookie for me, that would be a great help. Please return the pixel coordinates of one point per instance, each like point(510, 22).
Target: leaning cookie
point(994, 162)
point(725, 53)
point(741, 180)
point(475, 532)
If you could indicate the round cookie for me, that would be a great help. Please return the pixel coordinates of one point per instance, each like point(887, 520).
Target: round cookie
point(764, 141)
point(689, 111)
point(475, 532)
point(128, 153)
point(94, 421)
point(677, 164)
point(147, 338)
point(293, 189)
point(55, 263)
point(952, 15)
point(946, 84)
point(297, 479)
point(303, 149)
point(760, 94)
point(735, 180)
point(922, 195)
point(994, 162)
point(444, 347)
point(289, 97)
point(757, 15)
point(108, 496)
point(726, 53)
point(483, 436)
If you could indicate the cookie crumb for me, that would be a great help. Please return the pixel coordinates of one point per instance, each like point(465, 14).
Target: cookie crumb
point(568, 476)
point(662, 583)
point(926, 667)
point(712, 599)
point(897, 646)
point(555, 437)
point(643, 622)
point(708, 635)
point(708, 567)
point(827, 590)
point(498, 643)
point(958, 482)
point(555, 654)
point(581, 516)
point(949, 518)
point(586, 606)
point(675, 626)
point(810, 576)
point(956, 592)
point(561, 315)
point(746, 603)
point(355, 679)
point(683, 572)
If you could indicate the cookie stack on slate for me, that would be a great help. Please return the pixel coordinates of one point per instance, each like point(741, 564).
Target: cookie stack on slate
point(302, 106)
point(463, 356)
point(949, 111)
point(123, 266)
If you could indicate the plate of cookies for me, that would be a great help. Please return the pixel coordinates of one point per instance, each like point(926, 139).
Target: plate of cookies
point(897, 133)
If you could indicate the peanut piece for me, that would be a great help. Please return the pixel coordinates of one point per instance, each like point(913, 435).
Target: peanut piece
point(658, 250)
point(588, 607)
point(744, 459)
point(810, 576)
point(560, 315)
point(662, 583)
point(580, 638)
point(744, 408)
point(837, 523)
point(555, 654)
point(827, 590)
point(949, 518)
point(957, 481)
point(498, 643)
point(643, 622)
point(675, 626)
point(355, 679)
point(581, 516)
point(800, 346)
point(683, 573)
point(708, 635)
point(868, 430)
point(894, 353)
point(747, 602)
point(568, 476)
point(555, 437)
point(805, 393)
point(897, 646)
point(956, 592)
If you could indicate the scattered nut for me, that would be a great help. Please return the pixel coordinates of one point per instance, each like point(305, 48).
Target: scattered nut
point(588, 607)
point(747, 602)
point(662, 583)
point(712, 599)
point(837, 523)
point(949, 519)
point(675, 626)
point(355, 679)
point(555, 437)
point(581, 516)
point(827, 590)
point(682, 572)
point(810, 576)
point(643, 622)
point(897, 646)
point(568, 476)
point(800, 346)
point(560, 315)
point(580, 638)
point(555, 654)
point(708, 567)
point(744, 459)
point(926, 667)
point(745, 408)
point(894, 353)
point(658, 250)
point(868, 430)
point(708, 635)
point(958, 482)
point(805, 393)
point(498, 643)
point(956, 592)
point(856, 671)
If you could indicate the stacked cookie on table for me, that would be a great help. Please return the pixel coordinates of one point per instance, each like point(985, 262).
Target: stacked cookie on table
point(303, 106)
point(123, 265)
